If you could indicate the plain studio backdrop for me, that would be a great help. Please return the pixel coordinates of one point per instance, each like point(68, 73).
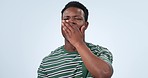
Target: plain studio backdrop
point(31, 29)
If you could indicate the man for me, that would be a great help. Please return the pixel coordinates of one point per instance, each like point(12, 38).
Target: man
point(76, 58)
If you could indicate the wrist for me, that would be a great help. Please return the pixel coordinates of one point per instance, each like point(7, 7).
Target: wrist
point(79, 44)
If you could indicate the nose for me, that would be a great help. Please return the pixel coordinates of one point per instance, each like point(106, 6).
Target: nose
point(72, 21)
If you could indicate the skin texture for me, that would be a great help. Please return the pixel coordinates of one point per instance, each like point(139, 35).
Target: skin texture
point(73, 30)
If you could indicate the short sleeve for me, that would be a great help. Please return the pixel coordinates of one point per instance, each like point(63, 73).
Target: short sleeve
point(102, 53)
point(41, 71)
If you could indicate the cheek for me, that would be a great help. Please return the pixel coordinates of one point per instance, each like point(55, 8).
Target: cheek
point(80, 25)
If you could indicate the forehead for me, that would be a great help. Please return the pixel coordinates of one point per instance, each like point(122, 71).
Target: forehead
point(73, 11)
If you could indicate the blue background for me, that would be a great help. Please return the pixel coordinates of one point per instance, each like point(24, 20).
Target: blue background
point(30, 30)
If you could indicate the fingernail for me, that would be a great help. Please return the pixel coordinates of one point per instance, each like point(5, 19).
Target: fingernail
point(63, 20)
point(67, 21)
point(63, 28)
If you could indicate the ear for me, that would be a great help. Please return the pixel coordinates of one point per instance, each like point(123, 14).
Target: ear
point(86, 25)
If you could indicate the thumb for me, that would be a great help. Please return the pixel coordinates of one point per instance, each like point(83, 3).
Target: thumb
point(83, 29)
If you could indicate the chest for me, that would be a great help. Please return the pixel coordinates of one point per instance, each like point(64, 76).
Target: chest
point(64, 65)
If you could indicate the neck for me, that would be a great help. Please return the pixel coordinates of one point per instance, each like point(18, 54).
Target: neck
point(69, 47)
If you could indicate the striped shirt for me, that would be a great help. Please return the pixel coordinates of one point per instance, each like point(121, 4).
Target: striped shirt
point(63, 64)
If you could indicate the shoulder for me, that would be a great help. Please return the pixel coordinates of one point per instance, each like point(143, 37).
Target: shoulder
point(53, 53)
point(101, 52)
point(95, 47)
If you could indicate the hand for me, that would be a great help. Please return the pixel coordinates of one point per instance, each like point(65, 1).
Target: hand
point(72, 33)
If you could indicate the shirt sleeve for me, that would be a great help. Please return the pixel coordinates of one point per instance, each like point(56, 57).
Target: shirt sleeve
point(41, 71)
point(103, 53)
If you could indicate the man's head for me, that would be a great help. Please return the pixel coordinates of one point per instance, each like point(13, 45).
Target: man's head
point(77, 5)
point(75, 14)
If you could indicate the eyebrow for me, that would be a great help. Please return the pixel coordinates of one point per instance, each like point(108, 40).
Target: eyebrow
point(73, 16)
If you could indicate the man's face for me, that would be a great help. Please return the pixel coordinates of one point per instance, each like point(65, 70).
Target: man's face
point(74, 16)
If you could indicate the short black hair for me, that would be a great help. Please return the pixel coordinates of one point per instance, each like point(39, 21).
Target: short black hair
point(77, 5)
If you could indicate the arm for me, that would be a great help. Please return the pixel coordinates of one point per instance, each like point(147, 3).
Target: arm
point(96, 66)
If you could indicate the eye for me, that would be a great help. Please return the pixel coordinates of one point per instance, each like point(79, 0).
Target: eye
point(65, 18)
point(78, 18)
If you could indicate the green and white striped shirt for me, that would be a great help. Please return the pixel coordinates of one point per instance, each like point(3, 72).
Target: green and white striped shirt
point(63, 64)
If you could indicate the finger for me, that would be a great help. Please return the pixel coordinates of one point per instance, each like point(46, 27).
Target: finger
point(73, 27)
point(66, 32)
point(83, 28)
point(68, 25)
point(65, 25)
point(65, 28)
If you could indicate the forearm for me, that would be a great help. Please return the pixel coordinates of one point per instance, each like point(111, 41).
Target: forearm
point(96, 66)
